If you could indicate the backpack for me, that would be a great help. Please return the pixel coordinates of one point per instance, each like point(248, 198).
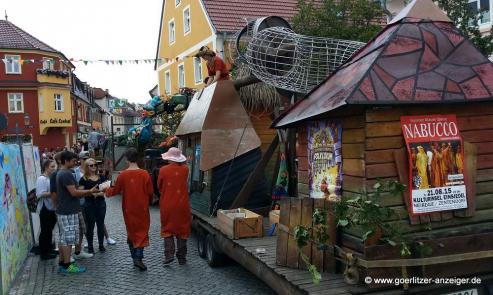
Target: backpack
point(32, 201)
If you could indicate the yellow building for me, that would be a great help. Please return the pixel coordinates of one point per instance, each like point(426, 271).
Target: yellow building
point(186, 25)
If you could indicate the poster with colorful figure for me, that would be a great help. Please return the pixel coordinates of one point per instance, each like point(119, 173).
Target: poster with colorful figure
point(325, 159)
point(436, 163)
point(15, 230)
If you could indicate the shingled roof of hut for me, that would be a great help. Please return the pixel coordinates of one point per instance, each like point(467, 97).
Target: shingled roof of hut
point(420, 57)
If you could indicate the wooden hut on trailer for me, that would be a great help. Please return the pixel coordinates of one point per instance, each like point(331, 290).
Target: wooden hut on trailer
point(419, 74)
point(223, 149)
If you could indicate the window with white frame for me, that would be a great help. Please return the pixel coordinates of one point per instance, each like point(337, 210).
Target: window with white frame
point(177, 2)
point(48, 64)
point(181, 76)
point(187, 25)
point(483, 7)
point(16, 102)
point(41, 103)
point(58, 102)
point(172, 35)
point(13, 64)
point(197, 66)
point(167, 83)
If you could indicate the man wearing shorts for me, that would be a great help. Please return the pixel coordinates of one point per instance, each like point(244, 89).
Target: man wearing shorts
point(68, 208)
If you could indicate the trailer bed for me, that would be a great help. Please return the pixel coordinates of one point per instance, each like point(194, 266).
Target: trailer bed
point(285, 280)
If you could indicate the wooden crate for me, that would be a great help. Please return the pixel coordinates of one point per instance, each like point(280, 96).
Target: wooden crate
point(235, 227)
point(299, 211)
point(274, 219)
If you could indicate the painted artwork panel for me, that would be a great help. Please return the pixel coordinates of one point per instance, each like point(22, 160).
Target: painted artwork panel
point(15, 228)
point(29, 166)
point(436, 163)
point(37, 161)
point(325, 159)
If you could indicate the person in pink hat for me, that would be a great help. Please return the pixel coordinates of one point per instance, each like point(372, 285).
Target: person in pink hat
point(176, 216)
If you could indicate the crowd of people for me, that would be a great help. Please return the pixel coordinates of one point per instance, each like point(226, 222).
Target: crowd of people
point(73, 196)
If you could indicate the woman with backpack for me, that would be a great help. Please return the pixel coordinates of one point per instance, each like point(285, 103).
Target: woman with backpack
point(46, 210)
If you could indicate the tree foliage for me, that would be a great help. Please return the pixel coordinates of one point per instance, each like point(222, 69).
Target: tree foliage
point(467, 21)
point(341, 19)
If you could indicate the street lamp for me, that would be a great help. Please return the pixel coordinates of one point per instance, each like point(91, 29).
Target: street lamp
point(27, 120)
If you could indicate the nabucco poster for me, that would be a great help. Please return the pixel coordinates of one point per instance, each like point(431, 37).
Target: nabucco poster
point(325, 159)
point(436, 163)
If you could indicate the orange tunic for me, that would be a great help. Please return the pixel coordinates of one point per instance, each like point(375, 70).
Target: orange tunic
point(136, 189)
point(176, 216)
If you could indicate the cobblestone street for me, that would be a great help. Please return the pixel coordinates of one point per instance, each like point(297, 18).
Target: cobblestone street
point(113, 272)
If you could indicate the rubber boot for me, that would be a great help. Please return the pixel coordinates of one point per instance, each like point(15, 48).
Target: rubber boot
point(169, 250)
point(181, 252)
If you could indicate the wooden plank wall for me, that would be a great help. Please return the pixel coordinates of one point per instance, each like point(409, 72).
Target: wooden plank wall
point(261, 123)
point(384, 136)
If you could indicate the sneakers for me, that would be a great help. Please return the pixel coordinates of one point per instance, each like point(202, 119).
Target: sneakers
point(86, 245)
point(168, 261)
point(72, 269)
point(102, 249)
point(83, 255)
point(110, 241)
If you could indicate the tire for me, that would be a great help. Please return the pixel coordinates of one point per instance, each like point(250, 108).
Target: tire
point(214, 258)
point(201, 246)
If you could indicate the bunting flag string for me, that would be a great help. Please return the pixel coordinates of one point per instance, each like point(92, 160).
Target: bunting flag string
point(104, 61)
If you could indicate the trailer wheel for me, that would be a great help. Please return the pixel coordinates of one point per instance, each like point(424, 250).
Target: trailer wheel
point(201, 245)
point(213, 257)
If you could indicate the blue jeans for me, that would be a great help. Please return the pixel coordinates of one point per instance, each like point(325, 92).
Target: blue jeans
point(136, 253)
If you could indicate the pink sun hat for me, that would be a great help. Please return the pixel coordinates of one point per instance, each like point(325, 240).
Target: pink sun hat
point(175, 155)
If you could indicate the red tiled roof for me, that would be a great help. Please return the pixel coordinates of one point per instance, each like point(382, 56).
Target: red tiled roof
point(99, 93)
point(12, 37)
point(413, 60)
point(229, 15)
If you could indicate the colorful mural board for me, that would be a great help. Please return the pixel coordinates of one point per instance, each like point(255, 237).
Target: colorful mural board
point(325, 159)
point(29, 166)
point(436, 163)
point(15, 230)
point(37, 161)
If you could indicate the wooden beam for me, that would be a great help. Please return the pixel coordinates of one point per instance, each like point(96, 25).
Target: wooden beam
point(243, 196)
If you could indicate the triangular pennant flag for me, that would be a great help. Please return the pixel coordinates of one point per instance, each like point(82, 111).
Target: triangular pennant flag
point(137, 61)
point(85, 62)
point(107, 62)
point(120, 62)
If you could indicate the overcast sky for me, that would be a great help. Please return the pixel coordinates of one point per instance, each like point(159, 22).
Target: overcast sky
point(97, 29)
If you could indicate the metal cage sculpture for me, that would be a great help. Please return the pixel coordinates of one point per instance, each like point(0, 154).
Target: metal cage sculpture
point(282, 58)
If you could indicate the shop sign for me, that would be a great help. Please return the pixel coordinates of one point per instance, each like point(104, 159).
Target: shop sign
point(436, 163)
point(55, 121)
point(325, 159)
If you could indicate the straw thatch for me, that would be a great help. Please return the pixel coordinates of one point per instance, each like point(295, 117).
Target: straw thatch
point(259, 96)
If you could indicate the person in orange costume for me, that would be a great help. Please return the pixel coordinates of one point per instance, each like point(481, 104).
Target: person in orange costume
point(135, 186)
point(176, 216)
point(216, 67)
